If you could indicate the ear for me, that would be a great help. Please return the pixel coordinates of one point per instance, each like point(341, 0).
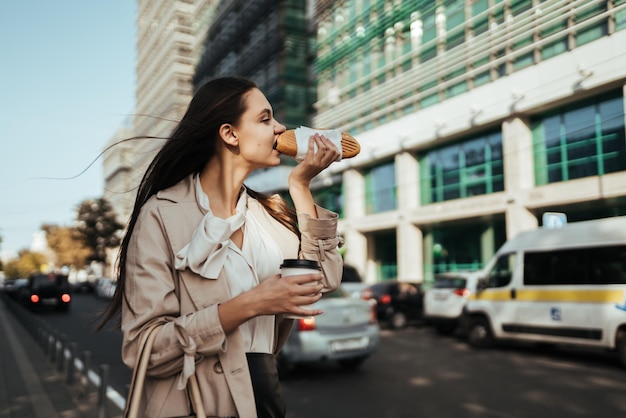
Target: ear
point(228, 135)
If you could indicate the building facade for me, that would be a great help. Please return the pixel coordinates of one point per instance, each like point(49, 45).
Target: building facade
point(169, 35)
point(475, 118)
point(265, 41)
point(268, 42)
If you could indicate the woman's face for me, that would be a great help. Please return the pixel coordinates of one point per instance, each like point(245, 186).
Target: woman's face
point(257, 131)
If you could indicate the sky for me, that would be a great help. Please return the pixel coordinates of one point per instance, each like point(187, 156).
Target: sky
point(67, 83)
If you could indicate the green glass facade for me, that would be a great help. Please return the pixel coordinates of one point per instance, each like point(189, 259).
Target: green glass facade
point(365, 44)
point(331, 198)
point(385, 254)
point(380, 188)
point(469, 168)
point(464, 246)
point(269, 44)
point(581, 140)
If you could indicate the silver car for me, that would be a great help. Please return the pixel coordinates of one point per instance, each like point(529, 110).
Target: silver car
point(445, 300)
point(105, 288)
point(347, 333)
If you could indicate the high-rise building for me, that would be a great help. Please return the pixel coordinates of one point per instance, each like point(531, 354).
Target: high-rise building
point(169, 35)
point(475, 118)
point(267, 42)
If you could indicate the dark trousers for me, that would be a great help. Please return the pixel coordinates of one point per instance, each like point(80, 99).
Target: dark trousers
point(268, 395)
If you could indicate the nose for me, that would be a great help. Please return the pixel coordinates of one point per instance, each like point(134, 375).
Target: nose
point(279, 128)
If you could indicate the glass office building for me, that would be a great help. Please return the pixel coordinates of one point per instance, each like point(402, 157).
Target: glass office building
point(475, 118)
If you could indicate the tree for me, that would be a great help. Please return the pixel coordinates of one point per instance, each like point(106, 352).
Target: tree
point(67, 245)
point(28, 262)
point(98, 228)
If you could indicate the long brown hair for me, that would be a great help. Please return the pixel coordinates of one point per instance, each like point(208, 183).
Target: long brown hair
point(191, 145)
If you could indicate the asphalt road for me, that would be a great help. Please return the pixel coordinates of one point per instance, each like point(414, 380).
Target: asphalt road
point(417, 373)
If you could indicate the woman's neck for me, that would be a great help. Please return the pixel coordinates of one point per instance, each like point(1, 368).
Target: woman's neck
point(222, 184)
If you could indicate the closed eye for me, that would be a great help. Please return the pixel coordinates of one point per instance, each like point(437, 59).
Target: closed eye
point(266, 115)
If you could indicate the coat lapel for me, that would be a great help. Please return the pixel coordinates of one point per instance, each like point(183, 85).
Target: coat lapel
point(180, 219)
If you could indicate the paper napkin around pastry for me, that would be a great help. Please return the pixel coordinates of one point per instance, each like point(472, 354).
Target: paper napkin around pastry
point(302, 140)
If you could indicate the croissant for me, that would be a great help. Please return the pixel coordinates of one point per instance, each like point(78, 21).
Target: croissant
point(287, 144)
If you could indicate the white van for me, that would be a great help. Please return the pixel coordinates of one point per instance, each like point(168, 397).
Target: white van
point(563, 286)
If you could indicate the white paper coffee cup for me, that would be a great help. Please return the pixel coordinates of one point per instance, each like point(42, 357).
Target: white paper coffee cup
point(297, 266)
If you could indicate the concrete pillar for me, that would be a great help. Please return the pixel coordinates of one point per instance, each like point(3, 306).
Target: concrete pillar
point(408, 236)
point(517, 149)
point(354, 194)
point(428, 257)
point(519, 175)
point(356, 253)
point(487, 244)
point(356, 249)
point(410, 252)
point(371, 265)
point(519, 219)
point(407, 176)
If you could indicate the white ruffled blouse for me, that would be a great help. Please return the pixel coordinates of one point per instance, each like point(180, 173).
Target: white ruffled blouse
point(211, 250)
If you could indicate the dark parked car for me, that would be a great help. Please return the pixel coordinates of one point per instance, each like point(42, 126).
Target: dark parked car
point(351, 281)
point(84, 286)
point(12, 288)
point(46, 290)
point(397, 302)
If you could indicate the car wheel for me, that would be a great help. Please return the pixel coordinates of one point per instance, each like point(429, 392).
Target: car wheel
point(621, 346)
point(352, 364)
point(480, 335)
point(398, 320)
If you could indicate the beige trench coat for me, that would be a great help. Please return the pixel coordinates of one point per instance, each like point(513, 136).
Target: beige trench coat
point(166, 224)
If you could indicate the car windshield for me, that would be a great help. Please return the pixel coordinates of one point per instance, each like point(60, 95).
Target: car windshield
point(39, 280)
point(350, 275)
point(450, 283)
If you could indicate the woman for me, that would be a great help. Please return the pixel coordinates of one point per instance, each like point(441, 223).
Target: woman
point(202, 255)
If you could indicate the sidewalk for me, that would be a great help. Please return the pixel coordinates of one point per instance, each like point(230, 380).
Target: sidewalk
point(30, 385)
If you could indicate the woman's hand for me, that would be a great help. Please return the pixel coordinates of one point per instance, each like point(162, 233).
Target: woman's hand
point(287, 295)
point(276, 295)
point(314, 161)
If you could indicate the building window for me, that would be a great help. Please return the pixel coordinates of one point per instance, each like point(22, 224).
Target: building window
point(429, 34)
point(380, 188)
point(501, 273)
point(385, 254)
point(480, 16)
point(595, 30)
point(455, 20)
point(330, 198)
point(620, 17)
point(462, 246)
point(595, 266)
point(499, 38)
point(470, 168)
point(582, 141)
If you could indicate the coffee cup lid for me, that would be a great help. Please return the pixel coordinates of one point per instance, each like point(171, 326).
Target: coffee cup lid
point(300, 263)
